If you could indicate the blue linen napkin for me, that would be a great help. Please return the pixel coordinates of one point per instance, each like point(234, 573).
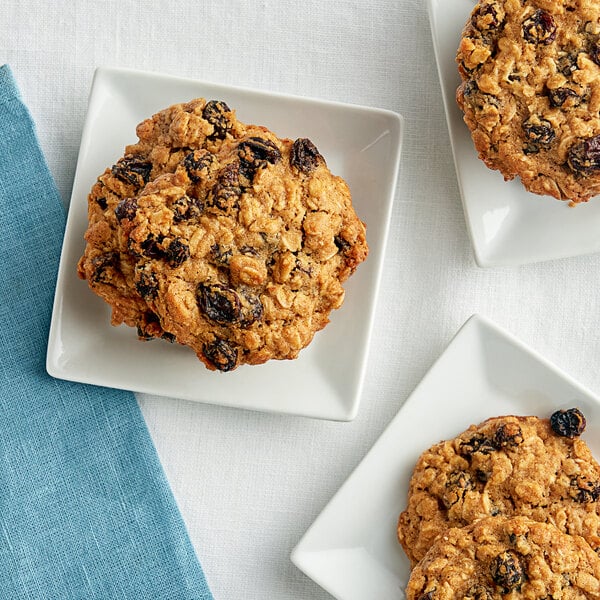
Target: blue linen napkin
point(85, 509)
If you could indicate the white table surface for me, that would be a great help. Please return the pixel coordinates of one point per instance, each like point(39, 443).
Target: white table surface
point(249, 484)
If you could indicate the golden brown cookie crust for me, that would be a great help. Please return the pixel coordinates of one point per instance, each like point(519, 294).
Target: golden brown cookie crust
point(235, 243)
point(504, 466)
point(498, 558)
point(531, 92)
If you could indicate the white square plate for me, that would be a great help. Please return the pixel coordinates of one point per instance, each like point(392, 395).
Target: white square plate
point(507, 225)
point(351, 549)
point(360, 144)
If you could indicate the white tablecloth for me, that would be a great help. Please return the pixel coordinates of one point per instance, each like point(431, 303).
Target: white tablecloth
point(249, 484)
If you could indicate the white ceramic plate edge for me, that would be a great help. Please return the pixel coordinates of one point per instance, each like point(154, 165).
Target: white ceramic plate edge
point(305, 558)
point(479, 258)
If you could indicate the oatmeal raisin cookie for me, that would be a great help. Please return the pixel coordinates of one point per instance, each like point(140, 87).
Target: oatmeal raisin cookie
point(505, 466)
point(530, 92)
point(221, 236)
point(500, 557)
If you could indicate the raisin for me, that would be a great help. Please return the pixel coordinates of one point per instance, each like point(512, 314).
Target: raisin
point(583, 490)
point(132, 248)
point(230, 176)
point(305, 156)
point(486, 17)
point(584, 156)
point(427, 595)
point(594, 52)
point(151, 246)
point(507, 571)
point(478, 443)
point(177, 253)
point(147, 285)
point(560, 95)
point(126, 209)
point(259, 151)
point(102, 263)
point(539, 28)
point(133, 170)
point(186, 209)
point(225, 198)
point(341, 244)
point(469, 88)
point(219, 303)
point(539, 132)
point(102, 203)
point(508, 435)
point(481, 475)
point(568, 423)
point(226, 193)
point(252, 309)
point(197, 164)
point(478, 592)
point(255, 153)
point(215, 113)
point(220, 254)
point(567, 63)
point(221, 355)
point(459, 482)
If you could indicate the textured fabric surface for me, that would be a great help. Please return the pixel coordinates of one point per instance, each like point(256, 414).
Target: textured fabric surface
point(85, 509)
point(249, 484)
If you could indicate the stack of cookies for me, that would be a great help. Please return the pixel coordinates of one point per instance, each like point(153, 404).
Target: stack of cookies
point(530, 92)
point(221, 236)
point(508, 508)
